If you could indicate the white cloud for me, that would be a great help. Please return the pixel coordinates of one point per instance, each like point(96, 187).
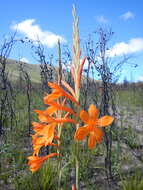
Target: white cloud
point(140, 78)
point(34, 32)
point(24, 59)
point(134, 45)
point(127, 15)
point(101, 19)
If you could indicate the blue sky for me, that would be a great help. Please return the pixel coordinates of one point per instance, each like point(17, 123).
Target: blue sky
point(53, 19)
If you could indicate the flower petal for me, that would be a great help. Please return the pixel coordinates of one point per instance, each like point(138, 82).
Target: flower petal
point(98, 134)
point(81, 133)
point(93, 112)
point(92, 141)
point(54, 95)
point(50, 110)
point(37, 127)
point(105, 121)
point(84, 116)
point(50, 133)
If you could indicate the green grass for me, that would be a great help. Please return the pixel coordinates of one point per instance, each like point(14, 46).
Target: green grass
point(134, 182)
point(44, 179)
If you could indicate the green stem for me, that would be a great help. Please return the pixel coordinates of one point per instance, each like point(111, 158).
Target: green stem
point(77, 167)
point(77, 149)
point(59, 161)
point(59, 115)
point(60, 174)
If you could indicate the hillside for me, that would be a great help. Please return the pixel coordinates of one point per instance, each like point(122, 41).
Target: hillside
point(32, 69)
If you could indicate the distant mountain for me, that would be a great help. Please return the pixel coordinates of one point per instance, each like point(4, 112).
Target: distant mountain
point(13, 70)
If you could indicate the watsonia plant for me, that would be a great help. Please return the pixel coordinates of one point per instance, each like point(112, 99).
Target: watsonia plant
point(53, 119)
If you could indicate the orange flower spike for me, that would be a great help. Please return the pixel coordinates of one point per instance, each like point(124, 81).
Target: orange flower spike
point(35, 162)
point(92, 126)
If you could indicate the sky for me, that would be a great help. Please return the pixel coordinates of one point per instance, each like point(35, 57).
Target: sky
point(52, 20)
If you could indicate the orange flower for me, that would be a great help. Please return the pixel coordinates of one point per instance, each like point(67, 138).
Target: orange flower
point(92, 126)
point(35, 162)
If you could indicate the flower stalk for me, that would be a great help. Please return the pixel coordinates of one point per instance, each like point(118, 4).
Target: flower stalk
point(76, 71)
point(59, 101)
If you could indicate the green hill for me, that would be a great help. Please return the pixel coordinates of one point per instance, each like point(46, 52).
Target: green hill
point(13, 68)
